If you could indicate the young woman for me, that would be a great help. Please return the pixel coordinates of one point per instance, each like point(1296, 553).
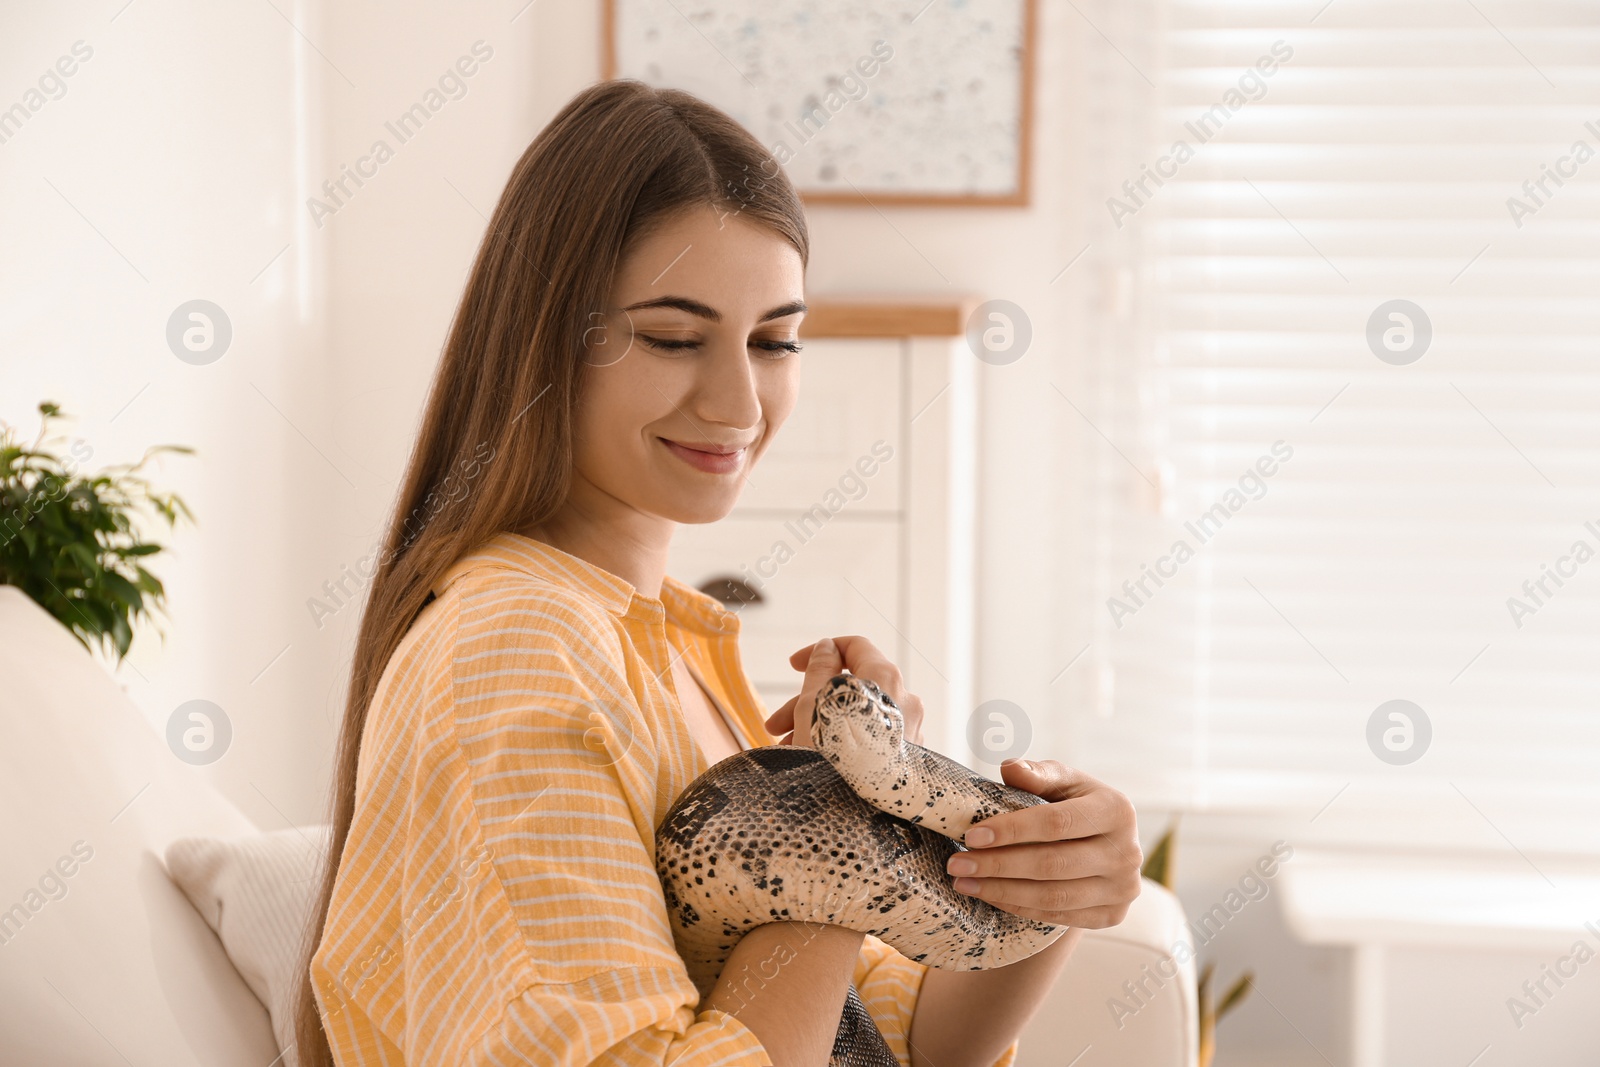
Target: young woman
point(531, 690)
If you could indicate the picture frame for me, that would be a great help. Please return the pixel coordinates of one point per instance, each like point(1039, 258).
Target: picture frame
point(848, 124)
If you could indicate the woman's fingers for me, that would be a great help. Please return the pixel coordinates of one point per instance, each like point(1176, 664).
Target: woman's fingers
point(1047, 897)
point(1081, 807)
point(782, 720)
point(1057, 861)
point(1073, 861)
point(1085, 918)
point(911, 712)
point(1093, 903)
point(864, 659)
point(861, 658)
point(800, 657)
point(824, 663)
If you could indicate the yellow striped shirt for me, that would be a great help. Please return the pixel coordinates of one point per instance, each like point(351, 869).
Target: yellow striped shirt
point(497, 901)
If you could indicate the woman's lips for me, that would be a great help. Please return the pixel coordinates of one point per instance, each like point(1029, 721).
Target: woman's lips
point(710, 462)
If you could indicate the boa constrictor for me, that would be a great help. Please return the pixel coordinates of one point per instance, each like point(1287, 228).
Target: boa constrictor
point(854, 832)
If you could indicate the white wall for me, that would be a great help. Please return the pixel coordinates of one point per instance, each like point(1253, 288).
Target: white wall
point(178, 164)
point(167, 172)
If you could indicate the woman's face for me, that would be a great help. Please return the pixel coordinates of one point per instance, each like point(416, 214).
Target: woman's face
point(693, 368)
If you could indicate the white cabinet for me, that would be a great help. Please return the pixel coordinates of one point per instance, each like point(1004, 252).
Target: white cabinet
point(849, 401)
point(859, 519)
point(845, 580)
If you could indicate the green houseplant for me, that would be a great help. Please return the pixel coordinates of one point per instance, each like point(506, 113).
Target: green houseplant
point(68, 539)
point(1158, 867)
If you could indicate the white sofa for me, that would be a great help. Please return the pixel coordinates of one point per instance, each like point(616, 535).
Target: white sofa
point(103, 961)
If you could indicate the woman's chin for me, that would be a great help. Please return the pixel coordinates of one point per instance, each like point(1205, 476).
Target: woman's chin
point(697, 509)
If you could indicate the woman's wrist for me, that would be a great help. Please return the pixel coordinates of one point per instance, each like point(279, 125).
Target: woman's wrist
point(787, 983)
point(971, 1017)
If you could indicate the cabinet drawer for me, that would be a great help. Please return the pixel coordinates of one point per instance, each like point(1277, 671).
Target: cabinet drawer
point(850, 397)
point(843, 579)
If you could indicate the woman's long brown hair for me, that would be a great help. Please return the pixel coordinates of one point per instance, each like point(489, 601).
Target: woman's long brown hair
point(620, 158)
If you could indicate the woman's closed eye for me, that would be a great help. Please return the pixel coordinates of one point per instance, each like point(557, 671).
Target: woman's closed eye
point(777, 348)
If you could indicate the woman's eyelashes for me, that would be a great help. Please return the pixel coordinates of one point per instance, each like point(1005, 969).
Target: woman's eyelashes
point(776, 349)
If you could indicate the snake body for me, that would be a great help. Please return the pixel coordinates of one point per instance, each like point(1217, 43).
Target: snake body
point(855, 832)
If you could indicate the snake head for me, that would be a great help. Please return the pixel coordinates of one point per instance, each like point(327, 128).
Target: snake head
point(855, 715)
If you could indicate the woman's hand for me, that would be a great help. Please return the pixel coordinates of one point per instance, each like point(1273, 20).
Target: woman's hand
point(831, 656)
point(1072, 862)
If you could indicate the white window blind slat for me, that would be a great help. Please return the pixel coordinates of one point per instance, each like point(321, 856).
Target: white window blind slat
point(1377, 562)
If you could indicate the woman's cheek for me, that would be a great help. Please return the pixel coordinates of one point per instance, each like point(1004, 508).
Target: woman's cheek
point(779, 393)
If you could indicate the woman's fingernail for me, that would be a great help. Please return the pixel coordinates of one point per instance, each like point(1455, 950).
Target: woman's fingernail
point(979, 836)
point(969, 886)
point(961, 865)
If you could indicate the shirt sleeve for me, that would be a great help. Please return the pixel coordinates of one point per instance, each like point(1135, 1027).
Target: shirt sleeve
point(560, 768)
point(889, 984)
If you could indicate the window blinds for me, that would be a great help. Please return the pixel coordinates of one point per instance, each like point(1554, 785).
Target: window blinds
point(1347, 445)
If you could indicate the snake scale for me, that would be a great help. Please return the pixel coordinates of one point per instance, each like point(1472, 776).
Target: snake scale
point(855, 832)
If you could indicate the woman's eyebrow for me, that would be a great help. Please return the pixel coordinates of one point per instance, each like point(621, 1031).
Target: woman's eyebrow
point(695, 307)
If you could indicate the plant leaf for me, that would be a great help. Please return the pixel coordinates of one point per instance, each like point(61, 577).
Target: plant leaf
point(67, 538)
point(1237, 993)
point(1158, 866)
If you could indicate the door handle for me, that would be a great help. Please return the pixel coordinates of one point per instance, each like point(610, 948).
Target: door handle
point(731, 590)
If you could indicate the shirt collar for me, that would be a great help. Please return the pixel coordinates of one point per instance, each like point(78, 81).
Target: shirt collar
point(694, 610)
point(680, 603)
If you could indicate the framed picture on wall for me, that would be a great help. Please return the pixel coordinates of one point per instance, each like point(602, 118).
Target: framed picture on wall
point(915, 102)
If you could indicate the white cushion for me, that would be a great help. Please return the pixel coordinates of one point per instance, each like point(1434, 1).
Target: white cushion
point(256, 893)
point(1164, 1031)
point(102, 960)
point(110, 964)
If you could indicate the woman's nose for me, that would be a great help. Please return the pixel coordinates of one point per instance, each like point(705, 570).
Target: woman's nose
point(724, 390)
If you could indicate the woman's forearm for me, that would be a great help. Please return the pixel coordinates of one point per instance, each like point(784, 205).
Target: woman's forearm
point(967, 1018)
point(787, 982)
